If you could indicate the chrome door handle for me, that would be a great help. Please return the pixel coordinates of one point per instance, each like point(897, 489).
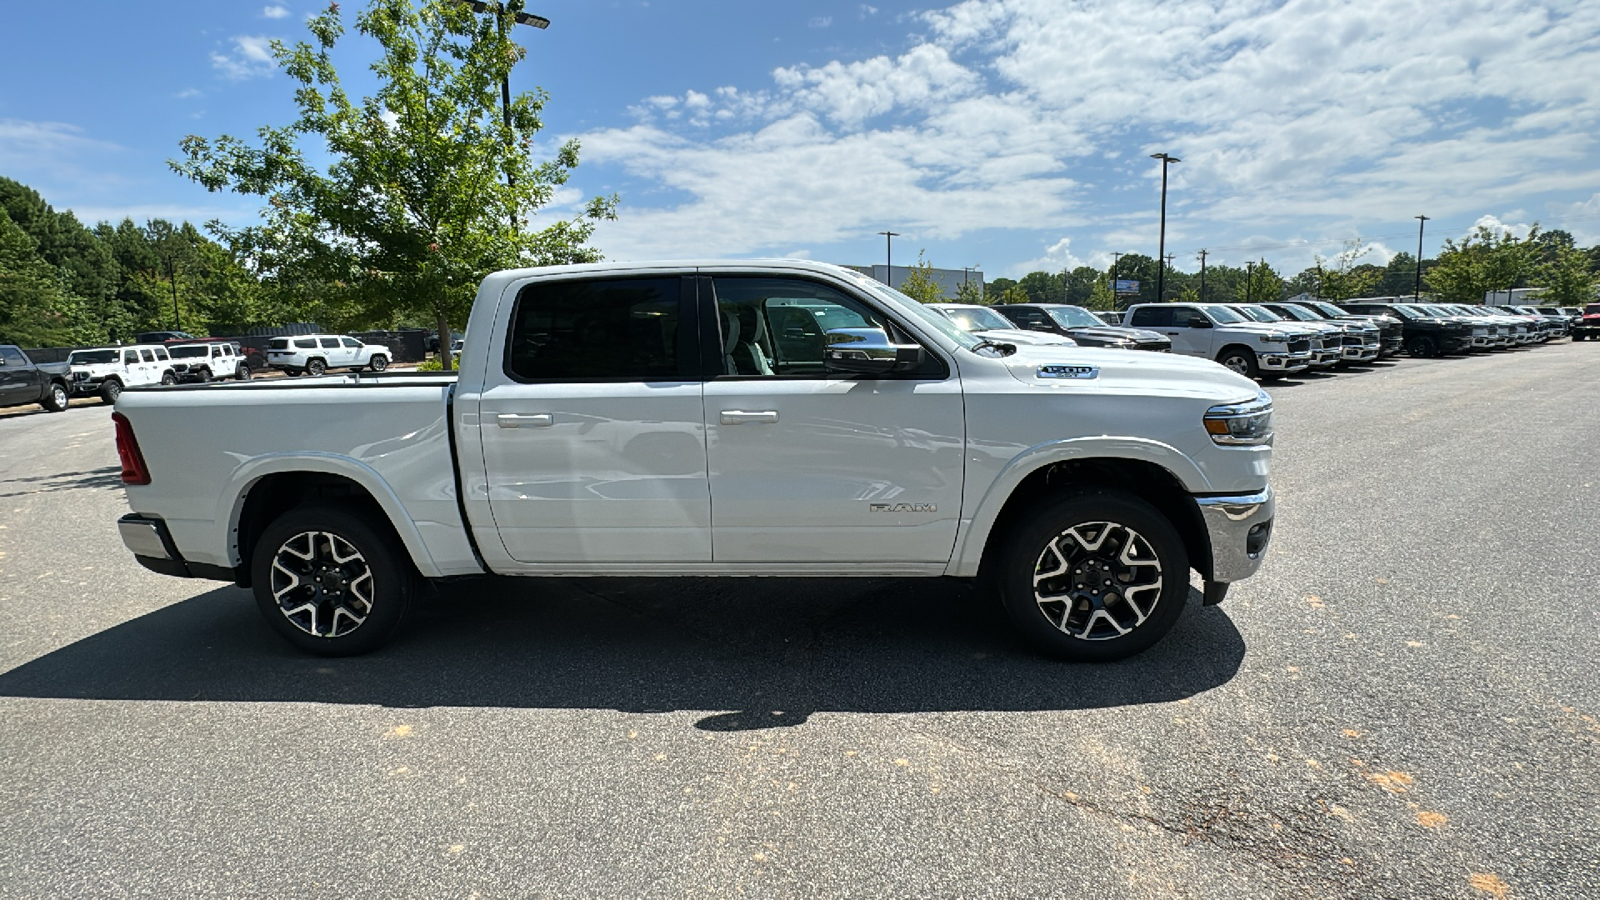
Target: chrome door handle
point(512, 420)
point(741, 417)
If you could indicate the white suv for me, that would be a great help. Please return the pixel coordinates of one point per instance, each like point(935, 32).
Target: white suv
point(317, 353)
point(203, 362)
point(107, 370)
point(1213, 331)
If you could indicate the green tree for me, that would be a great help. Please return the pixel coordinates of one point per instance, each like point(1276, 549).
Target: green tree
point(1079, 284)
point(1261, 283)
point(1341, 278)
point(35, 308)
point(427, 190)
point(920, 285)
point(971, 292)
point(1042, 287)
point(1100, 295)
point(1486, 260)
point(1013, 293)
point(1566, 279)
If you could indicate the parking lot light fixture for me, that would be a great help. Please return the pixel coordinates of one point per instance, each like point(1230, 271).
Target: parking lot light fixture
point(888, 256)
point(1161, 252)
point(521, 18)
point(1416, 294)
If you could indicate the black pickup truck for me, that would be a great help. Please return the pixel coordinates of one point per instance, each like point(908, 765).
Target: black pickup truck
point(1424, 335)
point(21, 381)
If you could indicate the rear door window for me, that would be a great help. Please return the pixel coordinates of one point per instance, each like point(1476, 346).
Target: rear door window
point(330, 343)
point(623, 329)
point(306, 343)
point(1152, 317)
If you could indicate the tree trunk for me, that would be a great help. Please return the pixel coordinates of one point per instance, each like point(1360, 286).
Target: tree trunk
point(444, 344)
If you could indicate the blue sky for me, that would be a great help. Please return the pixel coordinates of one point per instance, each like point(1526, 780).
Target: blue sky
point(1010, 134)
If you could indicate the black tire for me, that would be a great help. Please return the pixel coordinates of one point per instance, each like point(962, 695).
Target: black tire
point(168, 378)
point(1102, 525)
point(205, 375)
point(111, 390)
point(242, 373)
point(292, 373)
point(315, 367)
point(1241, 360)
point(56, 397)
point(332, 604)
point(379, 363)
point(1422, 347)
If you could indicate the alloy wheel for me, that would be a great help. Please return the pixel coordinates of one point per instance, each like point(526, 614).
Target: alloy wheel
point(322, 584)
point(1097, 581)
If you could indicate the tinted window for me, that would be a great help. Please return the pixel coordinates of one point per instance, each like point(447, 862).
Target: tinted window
point(1028, 318)
point(187, 352)
point(625, 329)
point(330, 343)
point(130, 357)
point(279, 344)
point(1152, 316)
point(147, 356)
point(306, 343)
point(12, 356)
point(351, 342)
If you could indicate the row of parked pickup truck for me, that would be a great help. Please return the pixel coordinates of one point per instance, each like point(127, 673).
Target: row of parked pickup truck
point(1270, 340)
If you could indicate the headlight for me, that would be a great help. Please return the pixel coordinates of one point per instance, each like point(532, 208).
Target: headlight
point(1235, 424)
point(1274, 339)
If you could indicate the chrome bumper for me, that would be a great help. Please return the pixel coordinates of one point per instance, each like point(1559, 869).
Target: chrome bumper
point(1285, 362)
point(1239, 528)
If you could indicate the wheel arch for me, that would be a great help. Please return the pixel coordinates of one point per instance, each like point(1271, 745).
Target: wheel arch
point(1234, 346)
point(265, 489)
point(1158, 474)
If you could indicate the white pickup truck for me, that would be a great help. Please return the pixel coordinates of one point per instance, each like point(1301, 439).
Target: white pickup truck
point(770, 418)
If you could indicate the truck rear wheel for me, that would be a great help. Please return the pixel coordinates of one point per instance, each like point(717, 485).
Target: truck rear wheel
point(1094, 576)
point(56, 397)
point(242, 373)
point(379, 363)
point(330, 582)
point(316, 367)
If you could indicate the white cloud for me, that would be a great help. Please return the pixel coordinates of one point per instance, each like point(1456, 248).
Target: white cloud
point(1057, 257)
point(189, 94)
point(820, 22)
point(250, 57)
point(275, 12)
point(1299, 122)
point(868, 11)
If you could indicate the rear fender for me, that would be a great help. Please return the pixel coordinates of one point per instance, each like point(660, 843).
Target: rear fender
point(231, 503)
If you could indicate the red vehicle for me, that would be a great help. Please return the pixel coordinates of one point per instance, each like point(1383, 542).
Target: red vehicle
point(1588, 327)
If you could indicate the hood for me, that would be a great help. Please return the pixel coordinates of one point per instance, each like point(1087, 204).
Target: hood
point(94, 368)
point(1270, 327)
point(1027, 338)
point(1066, 368)
point(1118, 333)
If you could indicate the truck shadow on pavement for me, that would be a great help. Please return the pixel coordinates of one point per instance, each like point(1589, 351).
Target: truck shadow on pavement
point(106, 477)
point(752, 653)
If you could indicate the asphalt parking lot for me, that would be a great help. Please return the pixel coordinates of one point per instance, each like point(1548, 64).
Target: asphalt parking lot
point(1404, 703)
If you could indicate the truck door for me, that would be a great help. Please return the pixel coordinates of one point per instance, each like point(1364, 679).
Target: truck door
point(593, 439)
point(15, 384)
point(812, 467)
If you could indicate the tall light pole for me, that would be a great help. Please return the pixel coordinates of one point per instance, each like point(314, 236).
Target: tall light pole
point(1416, 293)
point(1115, 258)
point(1203, 274)
point(1249, 270)
point(1161, 252)
point(521, 18)
point(888, 256)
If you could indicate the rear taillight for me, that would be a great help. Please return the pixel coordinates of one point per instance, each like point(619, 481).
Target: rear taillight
point(134, 470)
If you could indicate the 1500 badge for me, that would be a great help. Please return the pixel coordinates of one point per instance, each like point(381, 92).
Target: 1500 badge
point(904, 507)
point(1069, 371)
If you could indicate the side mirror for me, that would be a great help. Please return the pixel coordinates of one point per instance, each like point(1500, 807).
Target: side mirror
point(1199, 322)
point(867, 351)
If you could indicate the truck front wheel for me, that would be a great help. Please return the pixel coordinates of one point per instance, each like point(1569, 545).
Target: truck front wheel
point(330, 582)
point(56, 397)
point(1094, 576)
point(111, 390)
point(1241, 360)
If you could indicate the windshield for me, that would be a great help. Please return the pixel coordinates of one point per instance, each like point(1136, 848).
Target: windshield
point(920, 312)
point(1327, 309)
point(1074, 317)
point(974, 318)
point(1259, 314)
point(1222, 315)
point(1298, 314)
point(188, 352)
point(91, 357)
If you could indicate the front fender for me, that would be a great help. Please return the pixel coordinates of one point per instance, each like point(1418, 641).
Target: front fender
point(975, 529)
point(231, 503)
